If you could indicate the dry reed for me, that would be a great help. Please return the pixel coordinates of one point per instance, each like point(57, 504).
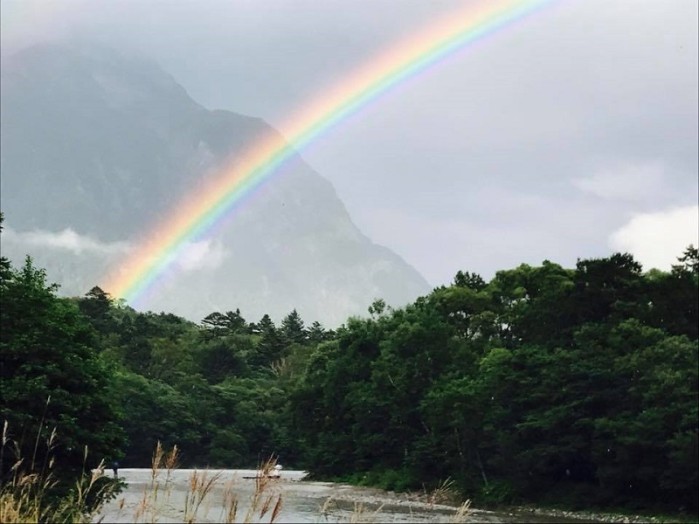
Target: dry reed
point(264, 502)
point(27, 495)
point(462, 512)
point(445, 492)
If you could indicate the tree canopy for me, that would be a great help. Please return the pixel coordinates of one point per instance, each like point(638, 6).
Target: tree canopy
point(547, 384)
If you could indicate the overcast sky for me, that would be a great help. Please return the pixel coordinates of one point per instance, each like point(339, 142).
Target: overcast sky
point(572, 134)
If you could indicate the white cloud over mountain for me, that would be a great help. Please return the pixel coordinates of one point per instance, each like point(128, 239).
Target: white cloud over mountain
point(67, 240)
point(205, 254)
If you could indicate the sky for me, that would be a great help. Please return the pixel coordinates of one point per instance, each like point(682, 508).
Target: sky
point(571, 134)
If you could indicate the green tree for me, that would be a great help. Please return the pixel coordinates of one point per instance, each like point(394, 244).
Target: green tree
point(232, 322)
point(317, 334)
point(224, 357)
point(154, 412)
point(292, 328)
point(689, 261)
point(96, 306)
point(607, 289)
point(470, 280)
point(51, 377)
point(269, 348)
point(673, 298)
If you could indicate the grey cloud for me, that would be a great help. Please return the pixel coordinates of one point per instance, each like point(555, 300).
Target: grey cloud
point(490, 148)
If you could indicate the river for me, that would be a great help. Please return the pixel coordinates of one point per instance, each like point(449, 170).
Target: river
point(165, 499)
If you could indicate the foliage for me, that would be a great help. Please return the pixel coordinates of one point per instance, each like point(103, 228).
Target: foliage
point(546, 383)
point(545, 380)
point(31, 495)
point(51, 378)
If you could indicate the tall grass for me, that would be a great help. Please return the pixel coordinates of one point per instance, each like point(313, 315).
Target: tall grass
point(28, 494)
point(156, 500)
point(33, 492)
point(361, 512)
point(264, 505)
point(445, 492)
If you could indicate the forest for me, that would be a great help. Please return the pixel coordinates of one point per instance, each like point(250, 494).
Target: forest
point(546, 385)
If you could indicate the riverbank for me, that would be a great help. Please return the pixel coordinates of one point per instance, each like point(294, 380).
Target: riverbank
point(530, 512)
point(226, 496)
point(601, 516)
point(611, 517)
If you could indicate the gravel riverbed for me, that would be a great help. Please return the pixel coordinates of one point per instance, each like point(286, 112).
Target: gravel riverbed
point(169, 499)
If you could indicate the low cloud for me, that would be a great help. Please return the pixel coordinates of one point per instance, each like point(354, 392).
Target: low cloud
point(657, 239)
point(67, 240)
point(195, 256)
point(205, 254)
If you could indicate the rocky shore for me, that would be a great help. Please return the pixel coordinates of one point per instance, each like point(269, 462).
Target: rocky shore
point(597, 516)
point(521, 512)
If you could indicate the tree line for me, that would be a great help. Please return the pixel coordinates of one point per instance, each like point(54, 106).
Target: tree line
point(544, 384)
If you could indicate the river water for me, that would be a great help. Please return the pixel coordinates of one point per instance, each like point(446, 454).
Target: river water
point(164, 499)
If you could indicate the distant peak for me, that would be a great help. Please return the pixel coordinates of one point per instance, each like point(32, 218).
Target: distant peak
point(115, 71)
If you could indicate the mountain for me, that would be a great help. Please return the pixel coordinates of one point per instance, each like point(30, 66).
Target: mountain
point(97, 146)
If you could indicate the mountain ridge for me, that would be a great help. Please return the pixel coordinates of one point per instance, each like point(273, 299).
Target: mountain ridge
point(106, 144)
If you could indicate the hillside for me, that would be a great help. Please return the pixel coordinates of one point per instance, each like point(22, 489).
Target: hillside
point(98, 145)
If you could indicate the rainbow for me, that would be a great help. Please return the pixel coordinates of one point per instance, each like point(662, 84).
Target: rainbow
point(198, 216)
